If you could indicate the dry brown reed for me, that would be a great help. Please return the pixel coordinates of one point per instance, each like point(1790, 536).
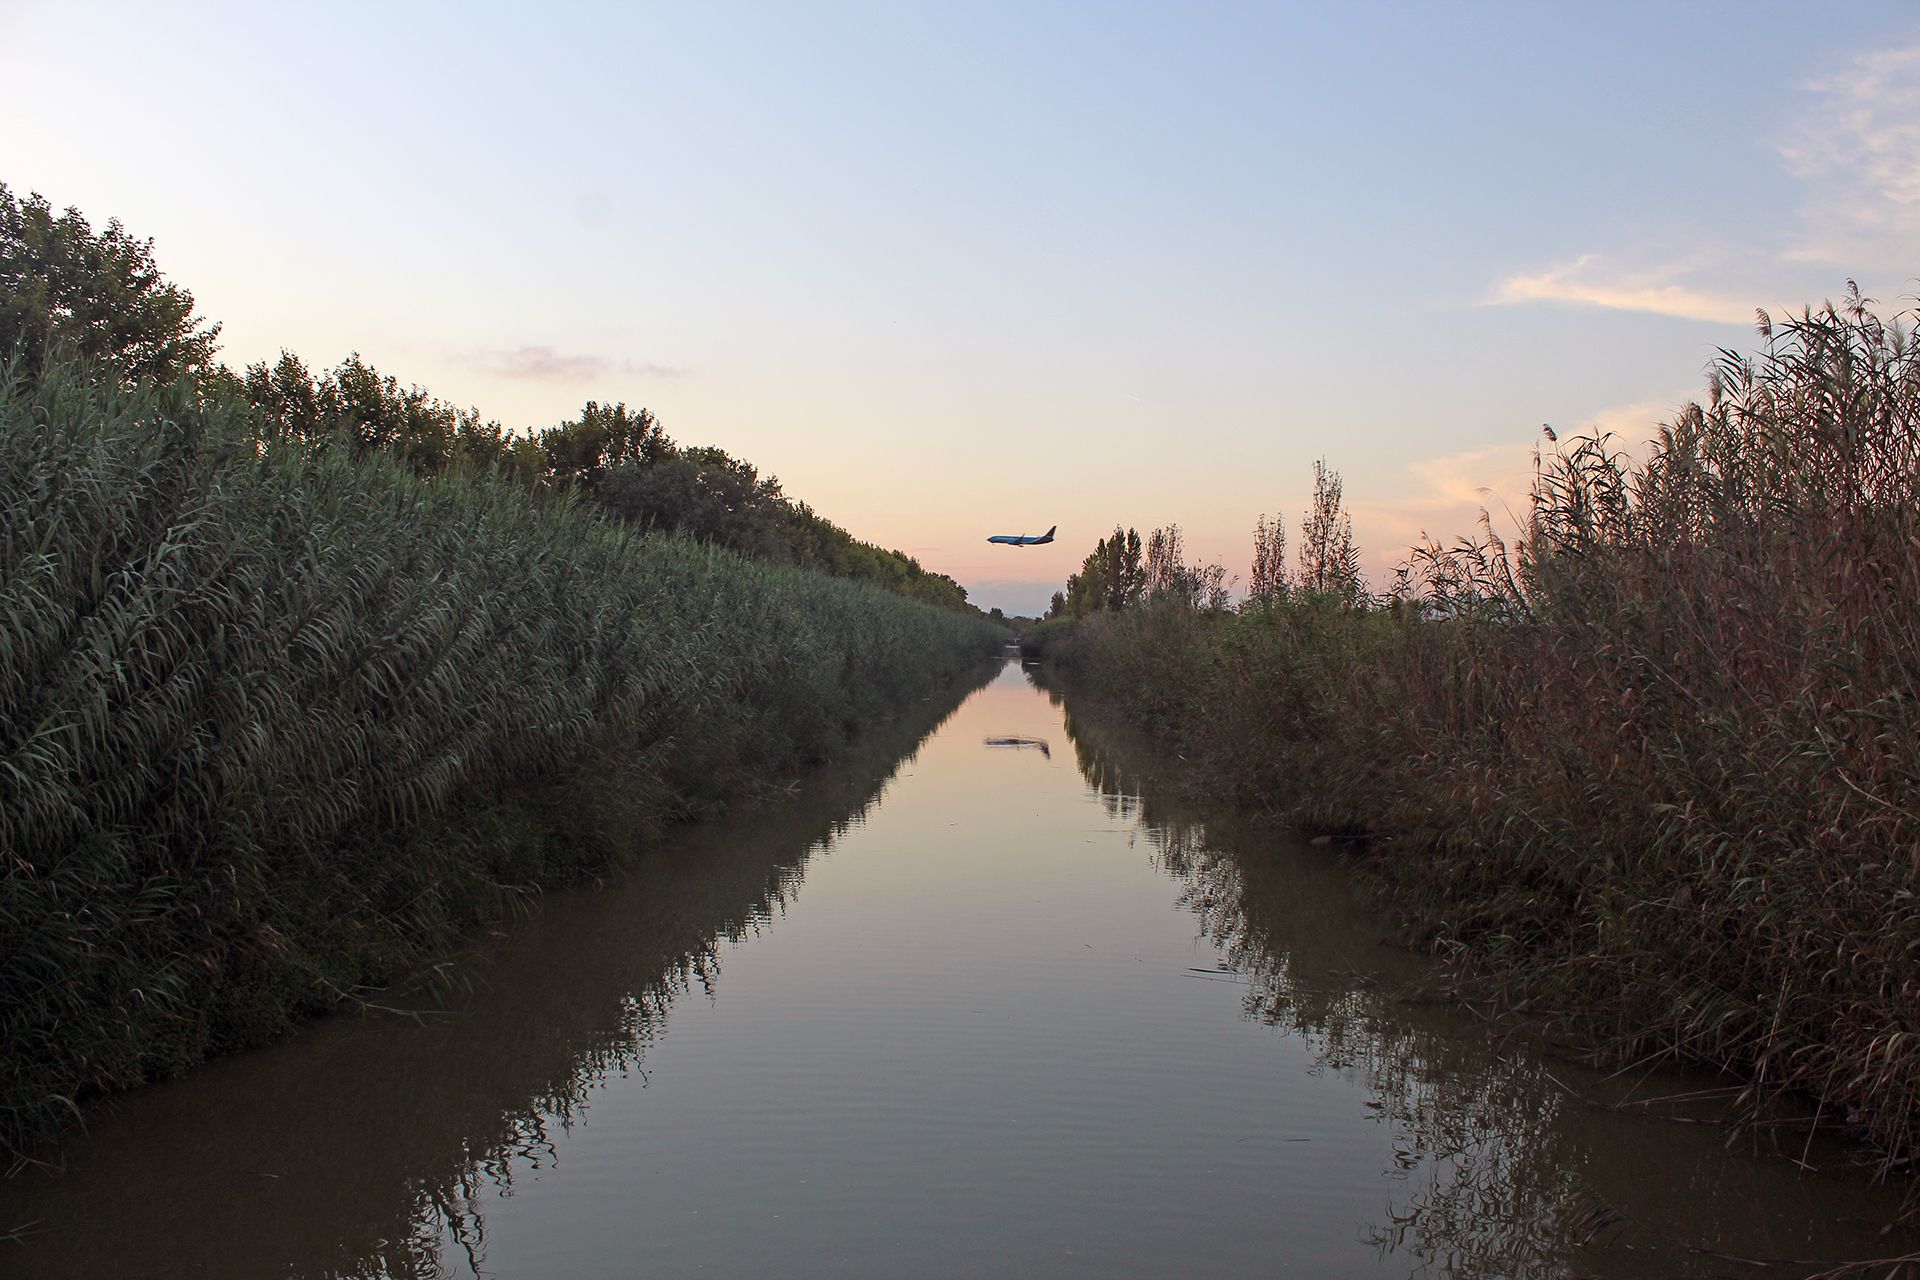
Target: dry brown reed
point(1656, 760)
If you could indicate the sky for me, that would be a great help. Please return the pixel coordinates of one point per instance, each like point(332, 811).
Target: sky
point(952, 270)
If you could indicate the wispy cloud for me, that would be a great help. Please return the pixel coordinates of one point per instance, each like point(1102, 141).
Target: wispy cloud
point(1860, 145)
point(1855, 147)
point(1442, 497)
point(1634, 426)
point(1587, 281)
point(544, 364)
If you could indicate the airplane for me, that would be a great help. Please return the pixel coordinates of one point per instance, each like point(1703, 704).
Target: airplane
point(1023, 539)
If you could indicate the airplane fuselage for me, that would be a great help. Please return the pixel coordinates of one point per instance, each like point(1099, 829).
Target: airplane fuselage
point(1023, 539)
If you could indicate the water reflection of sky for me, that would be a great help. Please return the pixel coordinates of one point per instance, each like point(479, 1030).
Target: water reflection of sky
point(957, 1010)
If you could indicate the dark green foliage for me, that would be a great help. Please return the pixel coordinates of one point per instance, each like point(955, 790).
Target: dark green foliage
point(621, 461)
point(820, 544)
point(1122, 573)
point(65, 288)
point(603, 440)
point(1657, 766)
point(1047, 639)
point(1113, 575)
point(704, 494)
point(277, 721)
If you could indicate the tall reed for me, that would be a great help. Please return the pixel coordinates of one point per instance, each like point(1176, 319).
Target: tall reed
point(277, 722)
point(1656, 762)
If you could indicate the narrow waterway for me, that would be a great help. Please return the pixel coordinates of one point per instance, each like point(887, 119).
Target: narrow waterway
point(981, 1006)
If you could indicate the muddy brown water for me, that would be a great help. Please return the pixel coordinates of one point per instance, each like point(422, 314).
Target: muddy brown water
point(989, 1007)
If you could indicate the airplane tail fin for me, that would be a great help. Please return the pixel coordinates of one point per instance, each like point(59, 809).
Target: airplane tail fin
point(1050, 529)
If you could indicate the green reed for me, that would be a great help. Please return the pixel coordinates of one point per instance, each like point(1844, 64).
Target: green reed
point(277, 723)
point(1656, 763)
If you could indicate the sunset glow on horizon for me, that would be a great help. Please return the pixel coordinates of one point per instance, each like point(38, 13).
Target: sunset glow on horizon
point(958, 271)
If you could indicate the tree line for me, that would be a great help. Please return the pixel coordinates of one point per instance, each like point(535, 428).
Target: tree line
point(1123, 571)
point(65, 288)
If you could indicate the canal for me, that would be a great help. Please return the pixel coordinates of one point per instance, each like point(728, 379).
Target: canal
point(983, 1003)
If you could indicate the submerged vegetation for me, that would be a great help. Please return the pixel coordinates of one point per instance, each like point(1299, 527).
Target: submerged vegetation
point(1654, 765)
point(283, 708)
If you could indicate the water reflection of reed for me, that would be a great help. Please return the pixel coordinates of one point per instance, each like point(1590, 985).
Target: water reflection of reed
point(1476, 1152)
point(1499, 1167)
point(370, 1150)
point(1474, 1132)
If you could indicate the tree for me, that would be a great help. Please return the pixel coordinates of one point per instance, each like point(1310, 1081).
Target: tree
point(1170, 580)
point(66, 289)
point(603, 438)
point(1268, 581)
point(1164, 555)
point(1329, 562)
point(1111, 578)
point(372, 412)
point(1087, 589)
point(704, 493)
point(1126, 576)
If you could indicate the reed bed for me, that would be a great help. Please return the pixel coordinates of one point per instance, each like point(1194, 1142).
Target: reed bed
point(1655, 765)
point(277, 723)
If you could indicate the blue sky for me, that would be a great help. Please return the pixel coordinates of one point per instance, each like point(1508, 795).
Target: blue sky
point(966, 269)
